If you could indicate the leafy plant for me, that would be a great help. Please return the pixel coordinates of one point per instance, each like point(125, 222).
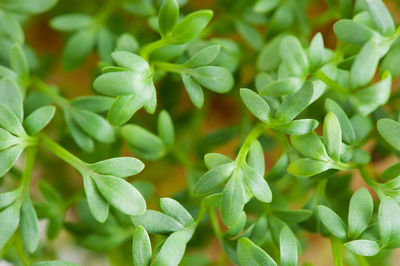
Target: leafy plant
point(307, 119)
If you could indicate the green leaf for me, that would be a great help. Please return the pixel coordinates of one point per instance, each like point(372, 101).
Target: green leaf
point(389, 222)
point(166, 128)
point(214, 78)
point(143, 142)
point(94, 103)
point(120, 194)
point(281, 87)
point(364, 67)
point(363, 247)
point(293, 56)
point(310, 145)
point(360, 212)
point(124, 107)
point(49, 193)
point(157, 222)
point(39, 119)
point(349, 31)
point(238, 227)
point(316, 51)
point(288, 247)
point(10, 122)
point(256, 158)
point(127, 42)
point(94, 125)
point(77, 48)
point(168, 16)
point(362, 125)
point(105, 44)
point(250, 254)
point(215, 159)
point(7, 140)
point(294, 104)
point(29, 226)
point(269, 56)
point(257, 184)
point(194, 90)
point(250, 34)
point(233, 199)
point(298, 127)
point(381, 16)
point(204, 57)
point(79, 136)
point(389, 130)
point(307, 167)
point(264, 6)
point(256, 104)
point(6, 198)
point(370, 98)
point(213, 178)
point(71, 22)
point(11, 97)
point(174, 209)
point(119, 167)
point(97, 204)
point(279, 169)
point(132, 62)
point(18, 61)
point(333, 222)
point(293, 216)
point(345, 124)
point(141, 247)
point(189, 27)
point(332, 136)
point(123, 83)
point(56, 263)
point(392, 172)
point(9, 221)
point(172, 250)
point(8, 157)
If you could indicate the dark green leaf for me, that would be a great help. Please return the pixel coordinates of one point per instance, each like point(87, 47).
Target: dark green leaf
point(168, 16)
point(256, 158)
point(349, 31)
point(213, 178)
point(293, 56)
point(281, 87)
point(94, 125)
point(298, 127)
point(174, 209)
point(345, 124)
point(29, 226)
point(166, 128)
point(119, 167)
point(257, 184)
point(204, 57)
point(256, 104)
point(93, 103)
point(194, 90)
point(172, 250)
point(97, 204)
point(215, 159)
point(307, 167)
point(77, 48)
point(310, 145)
point(389, 130)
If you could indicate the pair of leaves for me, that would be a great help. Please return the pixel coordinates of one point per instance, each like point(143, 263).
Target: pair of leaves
point(131, 83)
point(320, 154)
point(291, 107)
point(170, 253)
point(86, 125)
point(18, 213)
point(175, 218)
point(174, 32)
point(104, 185)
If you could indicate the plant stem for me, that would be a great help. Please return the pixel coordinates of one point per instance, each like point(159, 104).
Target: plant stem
point(330, 82)
point(170, 67)
point(215, 223)
point(362, 260)
point(367, 178)
point(244, 149)
point(57, 99)
point(150, 47)
point(337, 251)
point(63, 153)
point(29, 165)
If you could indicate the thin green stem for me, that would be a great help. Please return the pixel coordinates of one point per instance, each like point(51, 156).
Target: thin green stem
point(29, 165)
point(201, 214)
point(169, 67)
point(368, 179)
point(151, 47)
point(56, 98)
point(63, 153)
point(330, 82)
point(215, 223)
point(337, 251)
point(282, 139)
point(362, 261)
point(244, 149)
